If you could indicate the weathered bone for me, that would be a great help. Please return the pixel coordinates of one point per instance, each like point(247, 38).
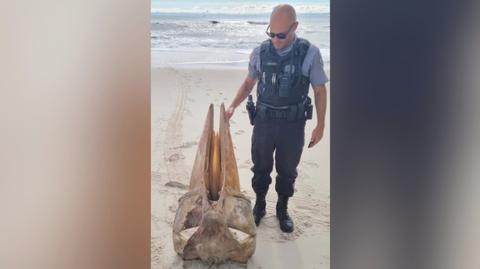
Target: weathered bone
point(214, 219)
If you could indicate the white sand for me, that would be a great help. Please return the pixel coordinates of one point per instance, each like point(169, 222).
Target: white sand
point(180, 99)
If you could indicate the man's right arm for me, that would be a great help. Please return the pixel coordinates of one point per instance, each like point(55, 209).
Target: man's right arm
point(242, 93)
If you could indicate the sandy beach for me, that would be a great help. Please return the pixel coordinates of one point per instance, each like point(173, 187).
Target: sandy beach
point(179, 103)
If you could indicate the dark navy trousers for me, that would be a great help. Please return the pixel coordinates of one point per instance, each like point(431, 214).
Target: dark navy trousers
point(280, 140)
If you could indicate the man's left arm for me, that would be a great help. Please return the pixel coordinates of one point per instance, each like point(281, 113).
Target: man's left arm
point(320, 96)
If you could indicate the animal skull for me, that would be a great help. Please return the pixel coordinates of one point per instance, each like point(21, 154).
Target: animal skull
point(214, 220)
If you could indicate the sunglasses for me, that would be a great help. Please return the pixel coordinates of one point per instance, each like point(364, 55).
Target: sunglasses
point(279, 35)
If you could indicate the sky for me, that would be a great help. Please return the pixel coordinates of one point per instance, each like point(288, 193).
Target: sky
point(229, 6)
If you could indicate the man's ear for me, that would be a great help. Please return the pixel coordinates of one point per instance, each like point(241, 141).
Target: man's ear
point(295, 25)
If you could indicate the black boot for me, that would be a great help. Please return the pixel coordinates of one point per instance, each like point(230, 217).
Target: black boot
point(286, 223)
point(259, 208)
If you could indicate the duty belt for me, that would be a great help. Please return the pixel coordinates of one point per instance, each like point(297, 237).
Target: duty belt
point(289, 112)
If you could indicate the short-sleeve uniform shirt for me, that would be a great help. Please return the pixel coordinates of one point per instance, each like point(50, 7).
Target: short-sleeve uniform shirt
point(312, 65)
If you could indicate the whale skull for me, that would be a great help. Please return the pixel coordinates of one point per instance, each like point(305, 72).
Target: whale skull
point(214, 220)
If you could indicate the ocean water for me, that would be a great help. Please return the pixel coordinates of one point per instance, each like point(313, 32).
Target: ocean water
point(235, 6)
point(205, 35)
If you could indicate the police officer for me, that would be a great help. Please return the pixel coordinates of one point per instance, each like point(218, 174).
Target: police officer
point(285, 66)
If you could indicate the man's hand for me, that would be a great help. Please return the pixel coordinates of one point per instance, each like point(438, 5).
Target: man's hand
point(229, 112)
point(241, 94)
point(317, 135)
point(320, 92)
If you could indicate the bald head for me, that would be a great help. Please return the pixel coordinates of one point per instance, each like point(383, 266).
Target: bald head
point(284, 12)
point(283, 20)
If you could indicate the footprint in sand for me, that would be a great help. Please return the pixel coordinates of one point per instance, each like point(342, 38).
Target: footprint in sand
point(246, 164)
point(302, 173)
point(310, 215)
point(243, 166)
point(156, 176)
point(176, 184)
point(239, 132)
point(186, 145)
point(172, 208)
point(312, 163)
point(156, 248)
point(175, 157)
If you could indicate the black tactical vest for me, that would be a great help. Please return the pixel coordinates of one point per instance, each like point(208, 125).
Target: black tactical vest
point(281, 81)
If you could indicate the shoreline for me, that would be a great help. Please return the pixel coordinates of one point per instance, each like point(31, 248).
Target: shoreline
point(209, 58)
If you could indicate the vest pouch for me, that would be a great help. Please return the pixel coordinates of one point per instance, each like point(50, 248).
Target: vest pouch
point(308, 108)
point(284, 86)
point(260, 114)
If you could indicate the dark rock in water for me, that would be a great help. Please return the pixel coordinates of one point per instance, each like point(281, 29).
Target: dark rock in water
point(257, 22)
point(214, 22)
